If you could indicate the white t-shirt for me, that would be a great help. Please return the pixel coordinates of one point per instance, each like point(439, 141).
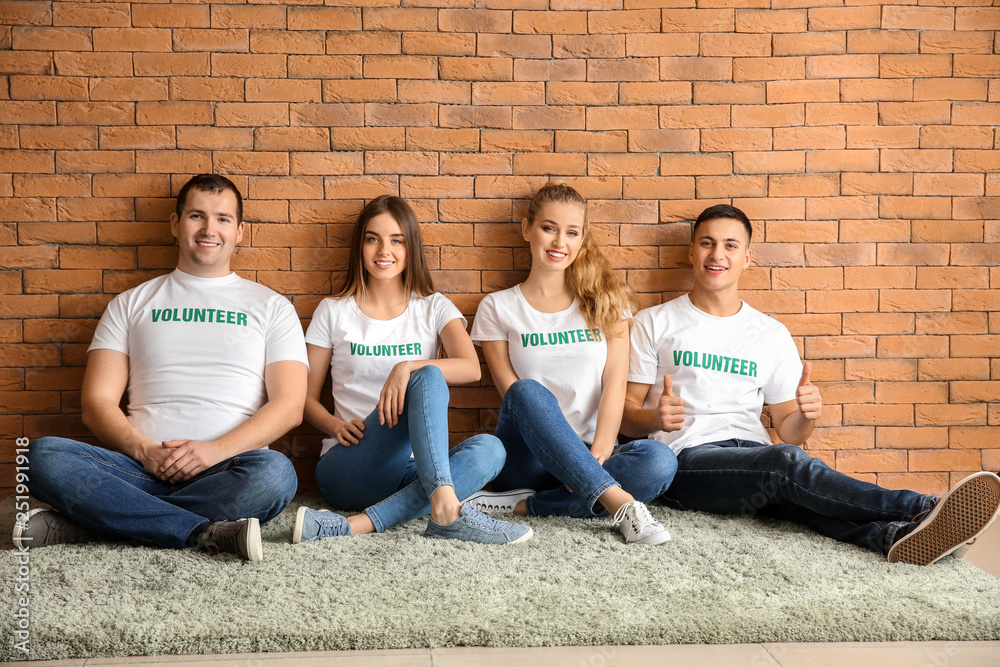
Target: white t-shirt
point(724, 368)
point(558, 350)
point(197, 348)
point(364, 350)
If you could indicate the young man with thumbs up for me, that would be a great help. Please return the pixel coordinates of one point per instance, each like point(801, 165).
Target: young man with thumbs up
point(703, 365)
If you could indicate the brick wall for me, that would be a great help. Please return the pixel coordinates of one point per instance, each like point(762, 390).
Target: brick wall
point(861, 136)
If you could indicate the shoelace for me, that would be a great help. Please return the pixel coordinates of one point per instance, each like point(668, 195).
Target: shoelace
point(482, 520)
point(640, 514)
point(330, 528)
point(220, 537)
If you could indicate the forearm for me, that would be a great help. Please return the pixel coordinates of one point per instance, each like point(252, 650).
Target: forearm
point(639, 422)
point(455, 371)
point(795, 428)
point(319, 417)
point(272, 421)
point(113, 428)
point(609, 419)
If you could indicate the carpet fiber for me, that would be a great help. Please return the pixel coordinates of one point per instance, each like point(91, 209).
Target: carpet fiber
point(721, 580)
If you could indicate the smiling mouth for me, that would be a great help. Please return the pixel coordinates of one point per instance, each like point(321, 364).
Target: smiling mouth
point(208, 244)
point(383, 264)
point(555, 254)
point(714, 268)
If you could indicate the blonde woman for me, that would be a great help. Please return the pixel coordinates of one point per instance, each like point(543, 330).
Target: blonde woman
point(387, 451)
point(557, 347)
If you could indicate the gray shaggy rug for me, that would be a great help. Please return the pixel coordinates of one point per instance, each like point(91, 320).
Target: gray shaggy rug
point(720, 580)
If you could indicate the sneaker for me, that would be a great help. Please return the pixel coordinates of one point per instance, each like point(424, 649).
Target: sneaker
point(45, 527)
point(957, 519)
point(240, 537)
point(474, 526)
point(638, 526)
point(313, 524)
point(499, 501)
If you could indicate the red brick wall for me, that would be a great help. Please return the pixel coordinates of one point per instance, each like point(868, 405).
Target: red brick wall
point(861, 136)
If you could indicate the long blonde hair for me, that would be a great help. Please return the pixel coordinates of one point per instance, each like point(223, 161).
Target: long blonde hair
point(604, 298)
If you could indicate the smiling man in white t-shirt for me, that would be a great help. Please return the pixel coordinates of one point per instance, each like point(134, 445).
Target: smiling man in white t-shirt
point(214, 367)
point(701, 368)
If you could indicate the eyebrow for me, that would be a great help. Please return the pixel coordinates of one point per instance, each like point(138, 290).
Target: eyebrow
point(571, 225)
point(712, 238)
point(367, 232)
point(203, 212)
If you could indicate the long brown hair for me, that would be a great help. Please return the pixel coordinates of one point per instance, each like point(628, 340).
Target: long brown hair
point(416, 278)
point(604, 299)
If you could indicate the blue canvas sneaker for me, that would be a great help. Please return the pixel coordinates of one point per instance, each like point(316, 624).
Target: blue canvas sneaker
point(313, 524)
point(474, 526)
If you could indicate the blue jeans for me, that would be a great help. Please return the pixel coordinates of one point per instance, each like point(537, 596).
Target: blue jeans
point(544, 453)
point(378, 475)
point(783, 481)
point(111, 492)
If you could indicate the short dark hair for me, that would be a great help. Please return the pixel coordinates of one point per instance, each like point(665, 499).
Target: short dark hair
point(723, 211)
point(210, 183)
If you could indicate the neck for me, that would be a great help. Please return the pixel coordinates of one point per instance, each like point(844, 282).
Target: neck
point(720, 304)
point(384, 292)
point(545, 284)
point(203, 272)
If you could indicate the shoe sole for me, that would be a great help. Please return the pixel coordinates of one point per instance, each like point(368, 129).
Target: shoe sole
point(517, 495)
point(524, 538)
point(19, 528)
point(254, 546)
point(300, 518)
point(653, 540)
point(960, 517)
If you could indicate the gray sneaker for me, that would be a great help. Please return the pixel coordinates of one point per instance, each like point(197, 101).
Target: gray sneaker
point(313, 524)
point(499, 501)
point(957, 520)
point(474, 526)
point(240, 537)
point(638, 526)
point(45, 527)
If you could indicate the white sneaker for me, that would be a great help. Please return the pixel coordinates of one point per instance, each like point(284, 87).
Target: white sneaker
point(638, 526)
point(498, 501)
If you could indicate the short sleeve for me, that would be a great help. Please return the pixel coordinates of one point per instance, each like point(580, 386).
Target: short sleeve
point(319, 332)
point(487, 325)
point(284, 334)
point(112, 330)
point(445, 311)
point(644, 352)
point(783, 383)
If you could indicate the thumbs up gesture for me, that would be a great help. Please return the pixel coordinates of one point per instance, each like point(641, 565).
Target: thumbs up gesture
point(807, 395)
point(671, 407)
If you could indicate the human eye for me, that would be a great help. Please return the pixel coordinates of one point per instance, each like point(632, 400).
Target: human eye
point(398, 241)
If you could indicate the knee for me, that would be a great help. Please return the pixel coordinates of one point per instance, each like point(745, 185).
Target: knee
point(659, 463)
point(788, 457)
point(48, 456)
point(527, 392)
point(487, 453)
point(428, 374)
point(273, 476)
